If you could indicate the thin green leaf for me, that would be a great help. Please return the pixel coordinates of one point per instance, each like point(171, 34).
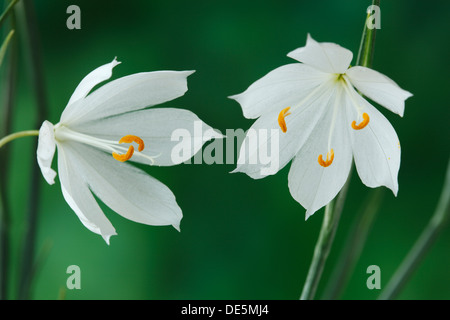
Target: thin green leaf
point(7, 11)
point(5, 46)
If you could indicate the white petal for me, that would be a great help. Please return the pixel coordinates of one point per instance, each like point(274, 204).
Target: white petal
point(163, 130)
point(278, 89)
point(265, 141)
point(124, 188)
point(46, 151)
point(130, 93)
point(379, 88)
point(376, 148)
point(77, 194)
point(324, 56)
point(100, 74)
point(312, 185)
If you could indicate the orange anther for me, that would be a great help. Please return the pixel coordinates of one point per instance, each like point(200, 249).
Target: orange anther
point(284, 113)
point(362, 124)
point(124, 157)
point(330, 157)
point(128, 139)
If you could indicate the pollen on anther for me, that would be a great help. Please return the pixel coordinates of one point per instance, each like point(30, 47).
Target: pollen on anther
point(281, 122)
point(363, 123)
point(131, 138)
point(328, 161)
point(124, 157)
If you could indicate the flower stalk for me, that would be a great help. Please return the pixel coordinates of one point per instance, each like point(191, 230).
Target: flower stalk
point(366, 48)
point(7, 11)
point(28, 28)
point(437, 223)
point(17, 135)
point(5, 45)
point(9, 84)
point(327, 232)
point(354, 245)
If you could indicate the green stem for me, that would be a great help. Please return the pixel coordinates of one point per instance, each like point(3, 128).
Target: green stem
point(354, 245)
point(30, 33)
point(16, 135)
point(7, 11)
point(330, 222)
point(5, 46)
point(435, 226)
point(8, 102)
point(367, 45)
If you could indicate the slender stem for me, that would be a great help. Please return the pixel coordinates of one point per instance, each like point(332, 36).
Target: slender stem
point(8, 93)
point(30, 32)
point(367, 45)
point(7, 11)
point(330, 222)
point(354, 245)
point(16, 135)
point(4, 216)
point(5, 46)
point(435, 226)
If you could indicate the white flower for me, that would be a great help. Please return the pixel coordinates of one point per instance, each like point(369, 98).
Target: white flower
point(324, 123)
point(95, 138)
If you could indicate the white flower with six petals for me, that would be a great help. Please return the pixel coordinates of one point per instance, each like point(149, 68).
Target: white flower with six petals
point(319, 112)
point(95, 137)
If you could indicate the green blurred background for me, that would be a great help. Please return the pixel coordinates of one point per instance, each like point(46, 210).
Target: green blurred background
point(240, 238)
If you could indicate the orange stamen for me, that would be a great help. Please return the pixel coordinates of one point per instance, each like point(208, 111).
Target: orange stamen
point(284, 113)
point(362, 124)
point(330, 157)
point(124, 157)
point(128, 139)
